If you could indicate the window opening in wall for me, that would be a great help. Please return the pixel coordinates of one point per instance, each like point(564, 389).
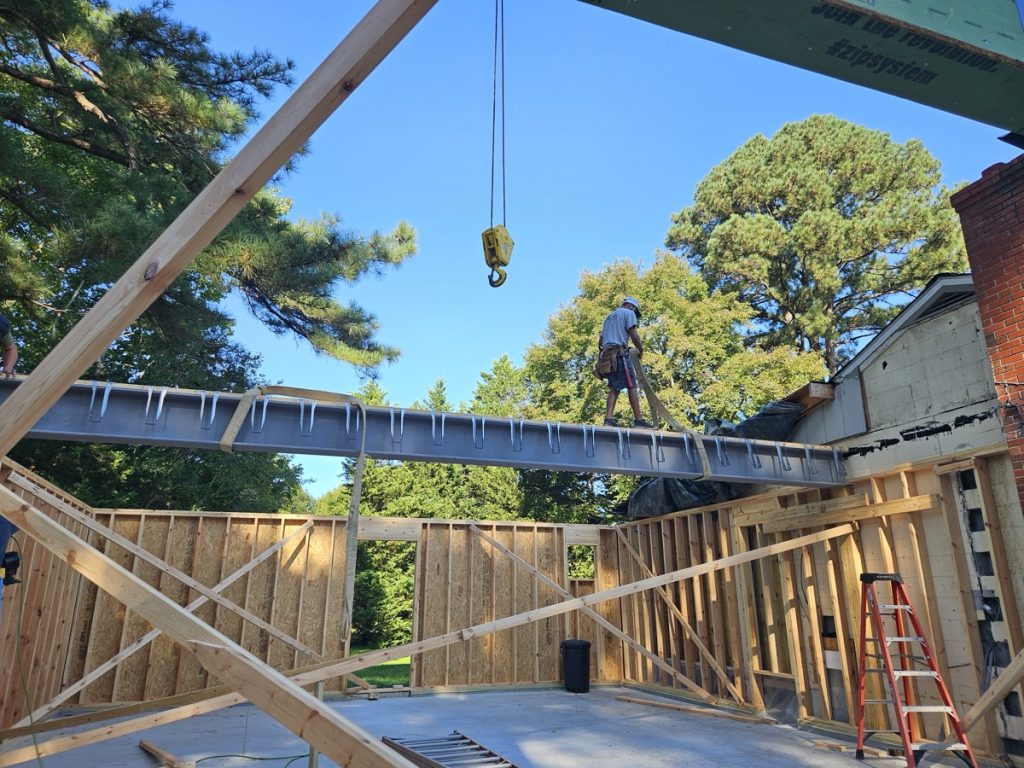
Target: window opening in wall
point(582, 561)
point(382, 606)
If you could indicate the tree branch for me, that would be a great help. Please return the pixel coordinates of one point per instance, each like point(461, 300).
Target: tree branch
point(80, 66)
point(82, 101)
point(14, 199)
point(49, 57)
point(71, 141)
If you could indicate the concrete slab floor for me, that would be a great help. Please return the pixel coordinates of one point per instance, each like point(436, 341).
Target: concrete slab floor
point(532, 728)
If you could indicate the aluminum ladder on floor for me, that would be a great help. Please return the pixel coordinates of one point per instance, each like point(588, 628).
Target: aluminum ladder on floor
point(902, 635)
point(455, 749)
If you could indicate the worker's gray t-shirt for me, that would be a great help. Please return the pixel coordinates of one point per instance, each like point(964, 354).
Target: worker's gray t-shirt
point(616, 327)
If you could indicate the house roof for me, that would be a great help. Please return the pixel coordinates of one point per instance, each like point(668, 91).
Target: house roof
point(942, 292)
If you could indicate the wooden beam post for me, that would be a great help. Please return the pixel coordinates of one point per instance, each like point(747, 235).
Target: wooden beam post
point(167, 760)
point(342, 741)
point(282, 136)
point(300, 712)
point(745, 607)
point(998, 690)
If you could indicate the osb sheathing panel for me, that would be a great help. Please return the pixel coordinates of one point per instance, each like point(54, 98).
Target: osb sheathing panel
point(464, 580)
point(72, 627)
point(40, 609)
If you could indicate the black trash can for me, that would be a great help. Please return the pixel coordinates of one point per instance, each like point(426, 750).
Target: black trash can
point(576, 665)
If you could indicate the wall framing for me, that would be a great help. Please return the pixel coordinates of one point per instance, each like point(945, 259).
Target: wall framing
point(735, 631)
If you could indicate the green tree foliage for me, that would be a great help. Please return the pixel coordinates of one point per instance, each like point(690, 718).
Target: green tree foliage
point(693, 348)
point(385, 579)
point(694, 355)
point(824, 230)
point(111, 121)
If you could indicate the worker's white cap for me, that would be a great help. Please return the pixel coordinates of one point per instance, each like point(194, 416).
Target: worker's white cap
point(634, 302)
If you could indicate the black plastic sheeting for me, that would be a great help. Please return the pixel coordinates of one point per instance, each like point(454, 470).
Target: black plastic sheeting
point(662, 495)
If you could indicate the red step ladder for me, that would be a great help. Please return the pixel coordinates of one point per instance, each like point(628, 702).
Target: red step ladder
point(913, 660)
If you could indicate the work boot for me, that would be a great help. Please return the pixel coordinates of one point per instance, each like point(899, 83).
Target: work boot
point(643, 424)
point(611, 421)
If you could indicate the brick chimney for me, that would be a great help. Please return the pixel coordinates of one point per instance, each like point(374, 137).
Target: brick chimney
point(992, 215)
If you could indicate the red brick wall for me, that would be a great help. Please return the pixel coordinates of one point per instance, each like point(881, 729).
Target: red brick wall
point(992, 214)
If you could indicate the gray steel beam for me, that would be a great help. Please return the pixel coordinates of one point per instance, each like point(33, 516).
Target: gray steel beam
point(126, 413)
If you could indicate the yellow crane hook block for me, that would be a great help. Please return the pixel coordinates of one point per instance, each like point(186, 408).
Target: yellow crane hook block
point(497, 252)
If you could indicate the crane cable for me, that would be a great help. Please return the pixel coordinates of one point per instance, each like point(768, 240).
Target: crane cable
point(499, 58)
point(496, 239)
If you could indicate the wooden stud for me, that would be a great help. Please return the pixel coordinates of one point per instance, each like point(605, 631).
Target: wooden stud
point(685, 594)
point(646, 635)
point(459, 541)
point(751, 661)
point(606, 576)
point(535, 598)
point(794, 624)
point(418, 602)
point(771, 597)
point(715, 599)
point(132, 625)
point(812, 639)
point(666, 622)
point(732, 613)
point(697, 586)
point(503, 604)
point(608, 626)
point(850, 557)
point(707, 656)
point(628, 621)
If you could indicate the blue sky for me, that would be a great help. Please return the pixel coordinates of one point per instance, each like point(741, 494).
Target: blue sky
point(610, 124)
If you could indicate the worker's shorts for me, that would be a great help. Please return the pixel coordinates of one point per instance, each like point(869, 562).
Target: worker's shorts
point(624, 375)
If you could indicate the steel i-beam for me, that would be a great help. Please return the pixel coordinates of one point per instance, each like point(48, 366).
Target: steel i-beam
point(132, 414)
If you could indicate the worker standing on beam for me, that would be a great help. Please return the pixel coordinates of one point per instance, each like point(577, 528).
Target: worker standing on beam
point(9, 347)
point(616, 364)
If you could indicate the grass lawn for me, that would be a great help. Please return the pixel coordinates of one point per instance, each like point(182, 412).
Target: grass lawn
point(394, 672)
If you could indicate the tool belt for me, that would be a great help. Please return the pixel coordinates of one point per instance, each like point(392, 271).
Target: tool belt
point(608, 360)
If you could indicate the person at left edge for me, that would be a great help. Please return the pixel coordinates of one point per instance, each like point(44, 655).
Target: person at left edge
point(9, 347)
